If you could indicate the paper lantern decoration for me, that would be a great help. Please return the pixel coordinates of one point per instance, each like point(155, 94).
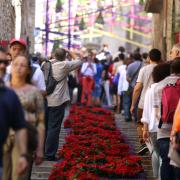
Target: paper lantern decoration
point(59, 6)
point(76, 22)
point(55, 45)
point(100, 19)
point(82, 24)
point(141, 2)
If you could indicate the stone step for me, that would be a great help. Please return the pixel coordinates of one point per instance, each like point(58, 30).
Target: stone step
point(128, 129)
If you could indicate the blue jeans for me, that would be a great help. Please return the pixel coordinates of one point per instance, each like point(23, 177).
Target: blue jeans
point(126, 105)
point(167, 172)
point(56, 115)
point(176, 173)
point(127, 100)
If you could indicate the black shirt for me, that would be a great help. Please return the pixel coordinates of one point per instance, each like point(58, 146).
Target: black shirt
point(11, 115)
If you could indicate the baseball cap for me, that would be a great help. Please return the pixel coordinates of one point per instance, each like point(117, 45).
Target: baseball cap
point(20, 41)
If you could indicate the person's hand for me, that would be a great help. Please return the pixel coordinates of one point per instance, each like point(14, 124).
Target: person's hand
point(174, 142)
point(22, 165)
point(90, 65)
point(145, 135)
point(39, 157)
point(132, 109)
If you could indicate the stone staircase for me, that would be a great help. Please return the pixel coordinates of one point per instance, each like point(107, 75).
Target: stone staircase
point(42, 171)
point(127, 128)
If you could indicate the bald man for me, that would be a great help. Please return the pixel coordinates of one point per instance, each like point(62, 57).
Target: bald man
point(175, 52)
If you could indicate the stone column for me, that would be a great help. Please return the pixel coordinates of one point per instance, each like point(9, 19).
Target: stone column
point(169, 30)
point(7, 20)
point(28, 22)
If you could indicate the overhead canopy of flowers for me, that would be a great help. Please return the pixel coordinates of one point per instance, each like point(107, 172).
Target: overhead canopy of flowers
point(94, 148)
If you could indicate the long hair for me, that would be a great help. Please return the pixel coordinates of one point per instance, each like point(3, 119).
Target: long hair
point(29, 75)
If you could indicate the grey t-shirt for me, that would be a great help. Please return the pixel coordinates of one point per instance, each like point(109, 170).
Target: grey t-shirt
point(131, 70)
point(145, 77)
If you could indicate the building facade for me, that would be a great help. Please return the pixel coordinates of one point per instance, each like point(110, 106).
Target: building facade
point(165, 23)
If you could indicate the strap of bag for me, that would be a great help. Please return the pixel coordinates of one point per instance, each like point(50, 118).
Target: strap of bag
point(135, 73)
point(55, 61)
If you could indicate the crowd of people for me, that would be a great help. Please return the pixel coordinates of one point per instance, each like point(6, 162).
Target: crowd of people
point(35, 91)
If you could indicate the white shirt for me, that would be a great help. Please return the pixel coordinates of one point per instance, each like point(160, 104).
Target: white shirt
point(38, 79)
point(148, 115)
point(123, 83)
point(88, 71)
point(145, 77)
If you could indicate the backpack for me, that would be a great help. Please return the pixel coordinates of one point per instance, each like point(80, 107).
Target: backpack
point(170, 99)
point(48, 76)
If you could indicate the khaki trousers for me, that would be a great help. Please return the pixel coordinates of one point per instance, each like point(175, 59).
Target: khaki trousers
point(10, 158)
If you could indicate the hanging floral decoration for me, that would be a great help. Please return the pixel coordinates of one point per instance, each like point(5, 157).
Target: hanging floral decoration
point(100, 19)
point(59, 6)
point(82, 24)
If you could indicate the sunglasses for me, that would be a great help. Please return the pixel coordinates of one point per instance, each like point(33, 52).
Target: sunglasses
point(5, 62)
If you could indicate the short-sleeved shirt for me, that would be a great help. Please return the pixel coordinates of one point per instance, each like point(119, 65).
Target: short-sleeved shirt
point(60, 70)
point(164, 131)
point(38, 79)
point(145, 77)
point(33, 104)
point(11, 115)
point(131, 70)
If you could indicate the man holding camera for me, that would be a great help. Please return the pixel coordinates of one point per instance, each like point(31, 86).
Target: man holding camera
point(57, 100)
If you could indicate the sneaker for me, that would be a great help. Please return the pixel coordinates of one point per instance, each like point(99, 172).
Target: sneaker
point(142, 150)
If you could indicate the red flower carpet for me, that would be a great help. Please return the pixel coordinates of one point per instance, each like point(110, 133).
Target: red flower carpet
point(94, 148)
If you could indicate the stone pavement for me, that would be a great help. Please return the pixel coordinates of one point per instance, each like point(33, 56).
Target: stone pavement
point(127, 128)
